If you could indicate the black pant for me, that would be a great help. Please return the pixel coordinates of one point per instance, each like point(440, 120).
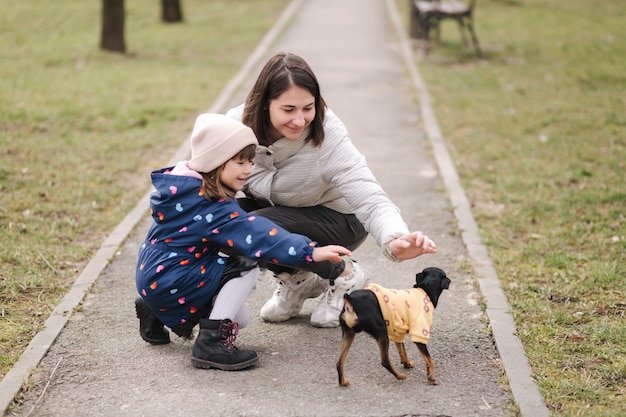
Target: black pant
point(321, 224)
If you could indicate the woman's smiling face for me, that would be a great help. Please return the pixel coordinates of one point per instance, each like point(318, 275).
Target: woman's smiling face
point(292, 112)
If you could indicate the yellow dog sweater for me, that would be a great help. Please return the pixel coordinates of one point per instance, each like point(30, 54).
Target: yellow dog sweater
point(405, 311)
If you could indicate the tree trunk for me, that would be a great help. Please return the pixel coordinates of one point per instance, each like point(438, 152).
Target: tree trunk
point(171, 11)
point(113, 16)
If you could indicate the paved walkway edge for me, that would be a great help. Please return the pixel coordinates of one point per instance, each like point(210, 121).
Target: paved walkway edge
point(523, 387)
point(12, 382)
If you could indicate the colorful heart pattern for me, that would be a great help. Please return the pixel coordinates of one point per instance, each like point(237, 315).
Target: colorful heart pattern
point(196, 258)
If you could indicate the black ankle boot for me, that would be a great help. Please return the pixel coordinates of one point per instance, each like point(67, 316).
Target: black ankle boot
point(150, 328)
point(214, 347)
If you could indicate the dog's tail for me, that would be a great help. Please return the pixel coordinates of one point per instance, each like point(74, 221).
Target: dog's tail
point(348, 315)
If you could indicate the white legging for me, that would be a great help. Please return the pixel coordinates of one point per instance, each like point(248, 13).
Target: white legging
point(230, 301)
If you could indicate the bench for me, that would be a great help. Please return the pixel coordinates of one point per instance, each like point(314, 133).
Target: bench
point(426, 16)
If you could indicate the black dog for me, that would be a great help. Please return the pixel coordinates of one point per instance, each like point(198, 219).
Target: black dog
point(363, 311)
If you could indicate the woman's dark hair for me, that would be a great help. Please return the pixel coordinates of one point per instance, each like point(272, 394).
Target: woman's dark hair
point(212, 187)
point(282, 71)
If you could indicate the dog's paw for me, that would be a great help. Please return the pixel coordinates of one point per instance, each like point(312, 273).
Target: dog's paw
point(409, 364)
point(344, 383)
point(432, 380)
point(401, 376)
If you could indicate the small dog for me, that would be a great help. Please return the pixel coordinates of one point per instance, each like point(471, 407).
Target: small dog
point(391, 314)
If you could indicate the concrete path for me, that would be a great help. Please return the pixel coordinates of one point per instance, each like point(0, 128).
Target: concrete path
point(99, 366)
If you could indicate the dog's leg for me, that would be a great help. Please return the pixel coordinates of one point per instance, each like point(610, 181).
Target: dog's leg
point(404, 359)
point(383, 346)
point(430, 365)
point(346, 342)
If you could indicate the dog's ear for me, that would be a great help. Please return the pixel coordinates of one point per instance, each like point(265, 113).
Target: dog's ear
point(347, 297)
point(419, 277)
point(445, 283)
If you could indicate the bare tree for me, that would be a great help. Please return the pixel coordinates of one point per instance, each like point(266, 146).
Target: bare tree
point(113, 15)
point(171, 11)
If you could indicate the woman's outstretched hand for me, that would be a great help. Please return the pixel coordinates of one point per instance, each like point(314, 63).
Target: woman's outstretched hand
point(411, 246)
point(330, 253)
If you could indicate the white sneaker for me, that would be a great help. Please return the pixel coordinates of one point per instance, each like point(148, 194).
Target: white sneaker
point(289, 296)
point(326, 314)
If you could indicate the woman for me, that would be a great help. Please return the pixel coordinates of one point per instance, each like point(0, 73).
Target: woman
point(310, 179)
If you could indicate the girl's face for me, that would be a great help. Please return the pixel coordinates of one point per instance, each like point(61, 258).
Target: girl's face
point(235, 173)
point(292, 112)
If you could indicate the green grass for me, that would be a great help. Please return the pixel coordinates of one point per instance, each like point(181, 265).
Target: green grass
point(538, 135)
point(80, 130)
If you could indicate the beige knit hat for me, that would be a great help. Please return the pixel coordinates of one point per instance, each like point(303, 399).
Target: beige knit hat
point(217, 138)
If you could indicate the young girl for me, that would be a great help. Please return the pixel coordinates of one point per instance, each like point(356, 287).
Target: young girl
point(184, 274)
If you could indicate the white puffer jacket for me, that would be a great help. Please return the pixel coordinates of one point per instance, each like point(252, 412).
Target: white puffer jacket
point(335, 175)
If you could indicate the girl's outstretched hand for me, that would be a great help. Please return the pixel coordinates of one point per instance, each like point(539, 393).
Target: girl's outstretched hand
point(330, 253)
point(411, 246)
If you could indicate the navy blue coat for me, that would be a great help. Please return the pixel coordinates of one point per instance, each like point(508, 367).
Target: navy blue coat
point(180, 264)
